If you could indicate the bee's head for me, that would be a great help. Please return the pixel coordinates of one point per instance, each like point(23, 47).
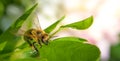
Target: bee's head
point(45, 38)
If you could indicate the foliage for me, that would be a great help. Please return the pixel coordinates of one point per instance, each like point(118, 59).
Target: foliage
point(114, 51)
point(60, 49)
point(84, 24)
point(10, 10)
point(9, 37)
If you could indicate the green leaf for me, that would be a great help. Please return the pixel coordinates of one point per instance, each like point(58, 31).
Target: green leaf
point(1, 9)
point(115, 52)
point(71, 39)
point(1, 31)
point(62, 49)
point(9, 37)
point(69, 49)
point(84, 24)
point(53, 26)
point(25, 54)
point(2, 46)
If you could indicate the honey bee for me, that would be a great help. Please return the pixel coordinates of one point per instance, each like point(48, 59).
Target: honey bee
point(36, 36)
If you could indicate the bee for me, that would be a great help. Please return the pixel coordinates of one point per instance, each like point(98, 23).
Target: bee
point(36, 36)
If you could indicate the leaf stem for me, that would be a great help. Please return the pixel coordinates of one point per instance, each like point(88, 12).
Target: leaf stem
point(56, 32)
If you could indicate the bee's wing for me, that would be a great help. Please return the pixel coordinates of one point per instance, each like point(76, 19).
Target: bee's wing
point(37, 22)
point(18, 33)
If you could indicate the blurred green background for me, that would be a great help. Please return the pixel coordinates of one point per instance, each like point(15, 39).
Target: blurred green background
point(10, 10)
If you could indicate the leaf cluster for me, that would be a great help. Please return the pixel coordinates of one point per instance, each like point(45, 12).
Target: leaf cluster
point(60, 49)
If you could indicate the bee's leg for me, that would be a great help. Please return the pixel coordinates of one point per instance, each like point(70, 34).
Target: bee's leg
point(39, 41)
point(36, 51)
point(30, 44)
point(34, 47)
